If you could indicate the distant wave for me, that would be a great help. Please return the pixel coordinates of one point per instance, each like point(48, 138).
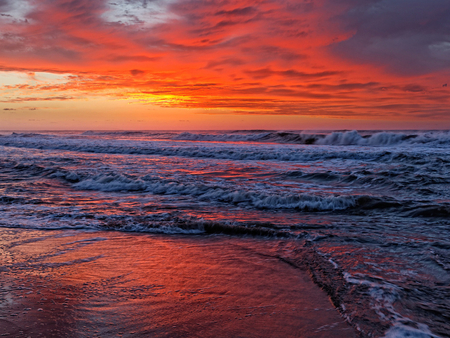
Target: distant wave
point(214, 151)
point(114, 132)
point(14, 134)
point(335, 138)
point(162, 149)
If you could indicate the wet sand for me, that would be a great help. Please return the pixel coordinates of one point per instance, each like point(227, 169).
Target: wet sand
point(112, 284)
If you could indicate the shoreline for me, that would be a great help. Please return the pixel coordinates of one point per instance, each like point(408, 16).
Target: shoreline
point(105, 284)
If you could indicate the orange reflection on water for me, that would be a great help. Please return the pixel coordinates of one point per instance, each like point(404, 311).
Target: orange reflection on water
point(108, 283)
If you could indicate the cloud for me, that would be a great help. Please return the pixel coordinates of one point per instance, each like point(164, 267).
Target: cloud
point(414, 88)
point(225, 61)
point(345, 86)
point(346, 58)
point(131, 58)
point(268, 53)
point(243, 11)
point(409, 37)
point(136, 72)
point(290, 73)
point(28, 99)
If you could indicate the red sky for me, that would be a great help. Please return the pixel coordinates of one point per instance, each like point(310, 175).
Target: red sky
point(285, 64)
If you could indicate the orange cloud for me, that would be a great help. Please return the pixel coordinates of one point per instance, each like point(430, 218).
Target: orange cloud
point(246, 57)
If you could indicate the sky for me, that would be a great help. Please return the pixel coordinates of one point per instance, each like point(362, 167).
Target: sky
point(211, 64)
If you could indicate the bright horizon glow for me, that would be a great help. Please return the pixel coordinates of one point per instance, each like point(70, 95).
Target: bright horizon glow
point(201, 65)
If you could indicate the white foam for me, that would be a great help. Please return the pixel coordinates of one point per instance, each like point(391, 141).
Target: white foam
point(110, 183)
point(383, 295)
point(403, 331)
point(334, 263)
point(354, 138)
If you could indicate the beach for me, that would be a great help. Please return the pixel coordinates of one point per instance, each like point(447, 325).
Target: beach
point(112, 284)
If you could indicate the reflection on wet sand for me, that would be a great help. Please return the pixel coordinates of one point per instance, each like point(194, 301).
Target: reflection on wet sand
point(81, 284)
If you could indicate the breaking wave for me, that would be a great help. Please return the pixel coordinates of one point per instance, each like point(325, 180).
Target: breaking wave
point(224, 151)
point(203, 192)
point(335, 138)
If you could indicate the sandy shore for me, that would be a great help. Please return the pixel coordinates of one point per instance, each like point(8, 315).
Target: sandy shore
point(112, 284)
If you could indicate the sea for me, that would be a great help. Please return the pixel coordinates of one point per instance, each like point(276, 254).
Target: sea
point(366, 213)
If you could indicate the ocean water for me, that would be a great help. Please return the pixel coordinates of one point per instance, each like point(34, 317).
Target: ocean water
point(367, 213)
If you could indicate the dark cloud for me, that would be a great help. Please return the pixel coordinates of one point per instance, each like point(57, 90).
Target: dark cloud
point(414, 88)
point(81, 11)
point(28, 99)
point(4, 4)
point(238, 11)
point(291, 73)
point(131, 58)
point(300, 6)
point(136, 72)
point(225, 61)
point(266, 53)
point(141, 3)
point(408, 37)
point(344, 86)
point(36, 70)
